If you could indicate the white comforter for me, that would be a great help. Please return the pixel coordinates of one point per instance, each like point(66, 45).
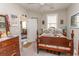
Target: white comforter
point(52, 35)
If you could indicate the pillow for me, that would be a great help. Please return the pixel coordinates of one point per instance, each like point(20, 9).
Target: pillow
point(51, 29)
point(58, 31)
point(46, 31)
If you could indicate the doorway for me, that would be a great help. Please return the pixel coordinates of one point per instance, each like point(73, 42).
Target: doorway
point(23, 25)
point(31, 36)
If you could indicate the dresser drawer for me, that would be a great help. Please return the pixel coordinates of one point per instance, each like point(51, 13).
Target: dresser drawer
point(9, 50)
point(10, 47)
point(9, 42)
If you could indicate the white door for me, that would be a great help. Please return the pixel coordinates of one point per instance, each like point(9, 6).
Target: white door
point(31, 30)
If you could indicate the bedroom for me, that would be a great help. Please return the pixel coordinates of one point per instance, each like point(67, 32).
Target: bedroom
point(38, 16)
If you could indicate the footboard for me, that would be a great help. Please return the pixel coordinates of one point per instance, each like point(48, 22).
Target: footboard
point(58, 44)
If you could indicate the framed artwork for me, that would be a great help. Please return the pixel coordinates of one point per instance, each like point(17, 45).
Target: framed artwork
point(14, 23)
point(61, 21)
point(43, 22)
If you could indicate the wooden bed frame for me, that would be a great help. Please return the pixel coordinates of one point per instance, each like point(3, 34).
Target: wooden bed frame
point(58, 44)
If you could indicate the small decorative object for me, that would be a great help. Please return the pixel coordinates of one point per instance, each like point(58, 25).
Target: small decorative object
point(43, 22)
point(61, 21)
point(24, 15)
point(8, 33)
point(4, 34)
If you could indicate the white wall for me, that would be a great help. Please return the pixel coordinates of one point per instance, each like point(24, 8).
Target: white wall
point(73, 9)
point(32, 14)
point(61, 16)
point(42, 16)
point(17, 10)
point(9, 9)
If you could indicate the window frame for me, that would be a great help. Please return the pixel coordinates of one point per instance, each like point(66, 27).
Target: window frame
point(56, 19)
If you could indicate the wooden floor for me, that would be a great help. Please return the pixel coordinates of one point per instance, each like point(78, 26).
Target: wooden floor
point(27, 45)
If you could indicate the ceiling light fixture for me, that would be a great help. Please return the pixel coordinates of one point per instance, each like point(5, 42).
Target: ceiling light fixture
point(42, 3)
point(51, 7)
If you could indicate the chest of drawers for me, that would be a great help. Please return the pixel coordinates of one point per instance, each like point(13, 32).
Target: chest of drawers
point(10, 47)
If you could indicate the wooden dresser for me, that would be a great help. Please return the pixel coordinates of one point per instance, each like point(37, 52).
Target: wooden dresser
point(9, 46)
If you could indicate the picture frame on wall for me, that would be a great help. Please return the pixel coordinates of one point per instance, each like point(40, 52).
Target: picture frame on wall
point(43, 22)
point(15, 22)
point(61, 21)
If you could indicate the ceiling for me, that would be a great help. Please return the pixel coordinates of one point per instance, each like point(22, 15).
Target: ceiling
point(44, 7)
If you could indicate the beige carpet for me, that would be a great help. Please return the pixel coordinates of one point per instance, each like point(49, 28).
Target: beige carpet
point(27, 45)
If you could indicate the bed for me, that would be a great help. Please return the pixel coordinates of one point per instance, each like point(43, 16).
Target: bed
point(55, 42)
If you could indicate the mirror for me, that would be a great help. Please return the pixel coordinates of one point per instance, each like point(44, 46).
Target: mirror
point(4, 25)
point(75, 20)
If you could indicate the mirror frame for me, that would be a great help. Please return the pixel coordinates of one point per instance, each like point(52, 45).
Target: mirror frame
point(6, 23)
point(73, 20)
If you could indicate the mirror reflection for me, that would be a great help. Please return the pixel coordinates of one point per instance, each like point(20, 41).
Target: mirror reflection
point(2, 25)
point(75, 20)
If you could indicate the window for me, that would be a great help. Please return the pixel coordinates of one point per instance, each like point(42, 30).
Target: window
point(52, 20)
